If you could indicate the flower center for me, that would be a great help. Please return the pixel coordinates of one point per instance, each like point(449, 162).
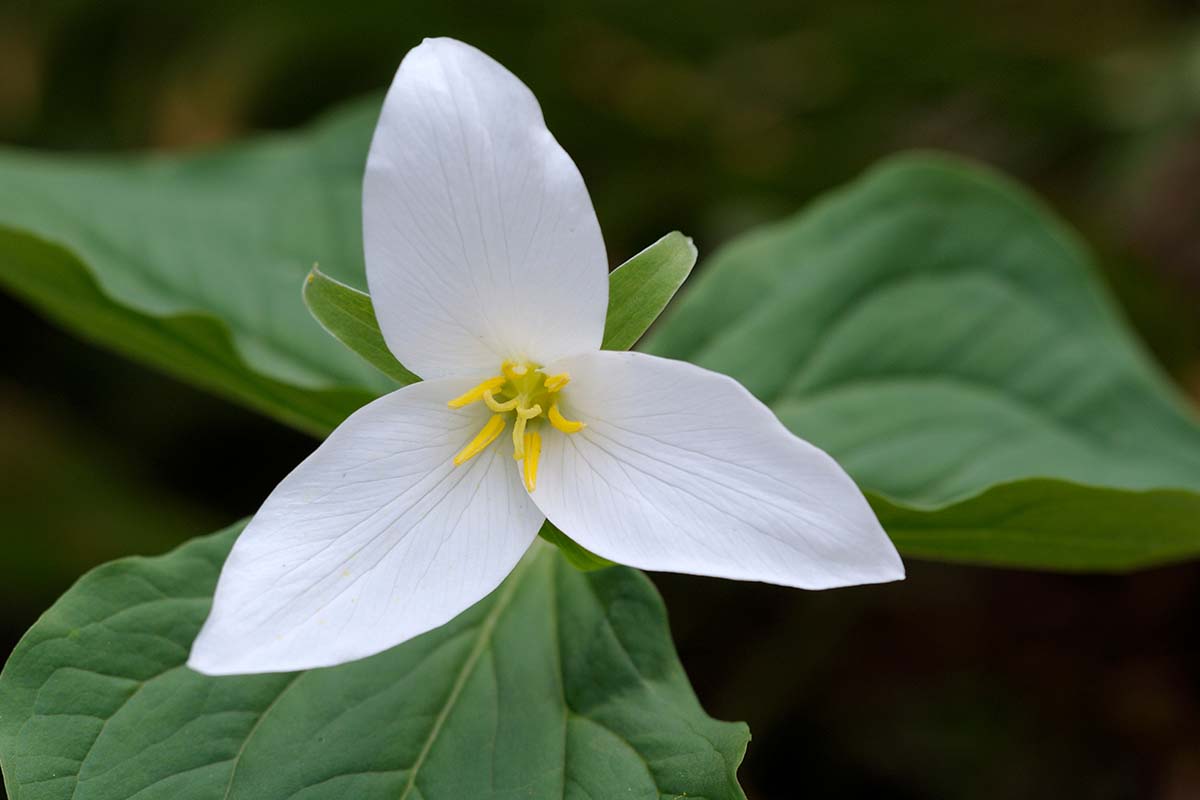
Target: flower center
point(527, 394)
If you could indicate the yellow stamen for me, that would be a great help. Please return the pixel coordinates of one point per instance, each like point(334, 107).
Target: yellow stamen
point(485, 437)
point(533, 451)
point(556, 382)
point(523, 416)
point(562, 423)
point(525, 392)
point(465, 399)
point(489, 397)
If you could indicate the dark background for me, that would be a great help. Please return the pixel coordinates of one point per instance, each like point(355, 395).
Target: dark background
point(709, 118)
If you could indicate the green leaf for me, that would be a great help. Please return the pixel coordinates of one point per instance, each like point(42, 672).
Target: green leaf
point(949, 342)
point(194, 263)
point(560, 683)
point(191, 346)
point(640, 289)
point(191, 263)
point(1052, 525)
point(349, 316)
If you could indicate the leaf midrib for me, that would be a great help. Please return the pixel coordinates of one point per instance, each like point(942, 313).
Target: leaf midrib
point(237, 758)
point(482, 641)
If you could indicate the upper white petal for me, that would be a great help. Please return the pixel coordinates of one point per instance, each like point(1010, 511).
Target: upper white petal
point(682, 470)
point(480, 239)
point(374, 539)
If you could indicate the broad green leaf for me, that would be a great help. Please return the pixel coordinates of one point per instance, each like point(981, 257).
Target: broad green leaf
point(1052, 525)
point(559, 684)
point(949, 342)
point(349, 316)
point(638, 290)
point(194, 263)
point(192, 346)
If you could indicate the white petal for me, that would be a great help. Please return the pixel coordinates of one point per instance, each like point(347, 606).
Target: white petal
point(375, 538)
point(682, 470)
point(481, 242)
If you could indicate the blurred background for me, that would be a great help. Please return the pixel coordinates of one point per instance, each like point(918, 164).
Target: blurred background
point(710, 118)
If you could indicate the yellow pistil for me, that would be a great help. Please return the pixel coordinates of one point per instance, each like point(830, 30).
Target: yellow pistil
point(524, 391)
point(562, 423)
point(489, 397)
point(523, 416)
point(514, 372)
point(533, 451)
point(482, 439)
point(465, 399)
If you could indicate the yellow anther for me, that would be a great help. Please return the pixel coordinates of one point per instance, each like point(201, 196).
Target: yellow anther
point(529, 391)
point(556, 382)
point(489, 397)
point(533, 451)
point(485, 437)
point(562, 423)
point(465, 399)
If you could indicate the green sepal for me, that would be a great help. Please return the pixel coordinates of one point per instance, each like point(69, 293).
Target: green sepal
point(638, 291)
point(348, 316)
point(576, 554)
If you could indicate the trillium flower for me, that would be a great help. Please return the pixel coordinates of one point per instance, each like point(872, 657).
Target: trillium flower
point(490, 281)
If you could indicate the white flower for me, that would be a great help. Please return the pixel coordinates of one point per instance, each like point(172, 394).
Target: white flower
point(490, 281)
